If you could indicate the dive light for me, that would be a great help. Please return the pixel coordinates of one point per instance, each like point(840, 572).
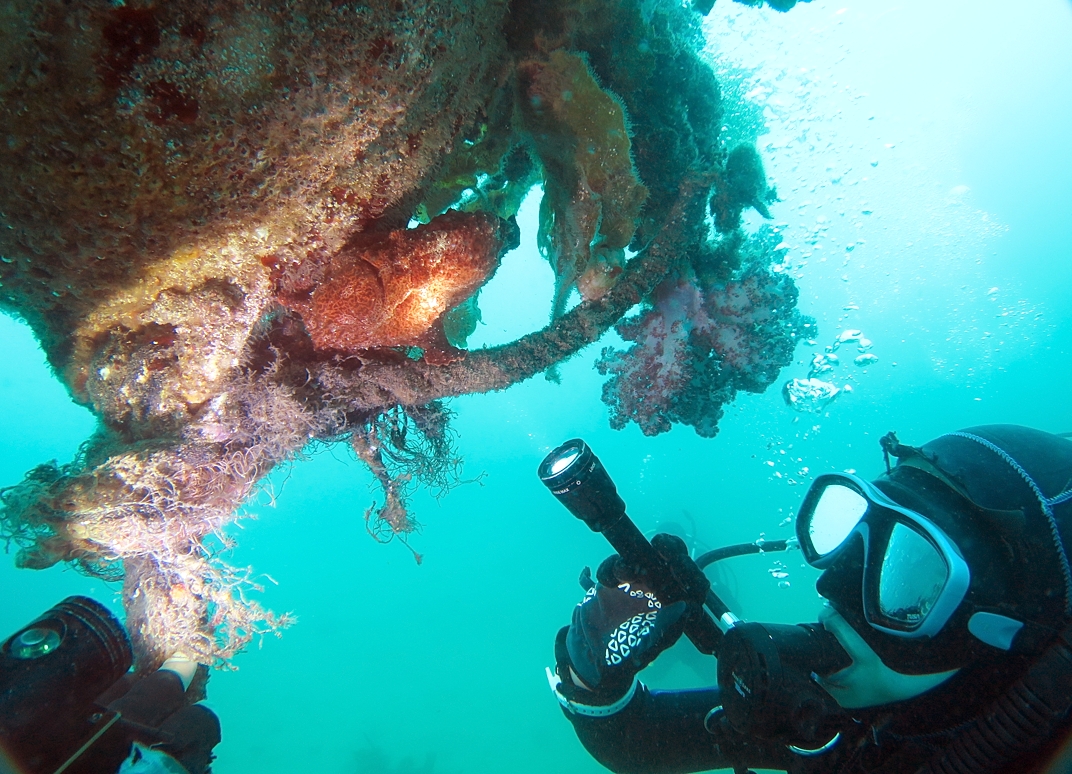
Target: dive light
point(579, 481)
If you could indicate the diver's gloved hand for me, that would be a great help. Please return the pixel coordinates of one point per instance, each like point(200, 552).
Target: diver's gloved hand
point(618, 629)
point(162, 730)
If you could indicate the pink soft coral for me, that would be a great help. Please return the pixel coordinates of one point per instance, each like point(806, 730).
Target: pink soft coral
point(700, 342)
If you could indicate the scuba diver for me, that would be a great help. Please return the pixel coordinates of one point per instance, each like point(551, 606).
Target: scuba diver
point(944, 645)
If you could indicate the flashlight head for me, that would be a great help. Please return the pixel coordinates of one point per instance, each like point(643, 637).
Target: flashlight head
point(52, 669)
point(578, 479)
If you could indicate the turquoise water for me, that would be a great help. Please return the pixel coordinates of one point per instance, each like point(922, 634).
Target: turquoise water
point(934, 139)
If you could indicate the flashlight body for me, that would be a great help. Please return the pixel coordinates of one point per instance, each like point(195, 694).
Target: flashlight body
point(579, 481)
point(577, 478)
point(655, 573)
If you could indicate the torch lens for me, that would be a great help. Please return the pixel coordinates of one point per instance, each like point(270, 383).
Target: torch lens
point(560, 463)
point(564, 468)
point(577, 478)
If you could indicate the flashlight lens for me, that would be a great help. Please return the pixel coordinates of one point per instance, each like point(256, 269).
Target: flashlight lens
point(575, 476)
point(36, 642)
point(563, 462)
point(565, 465)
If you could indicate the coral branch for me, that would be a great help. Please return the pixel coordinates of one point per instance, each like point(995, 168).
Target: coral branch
point(701, 342)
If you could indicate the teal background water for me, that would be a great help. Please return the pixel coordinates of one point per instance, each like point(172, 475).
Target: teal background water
point(950, 123)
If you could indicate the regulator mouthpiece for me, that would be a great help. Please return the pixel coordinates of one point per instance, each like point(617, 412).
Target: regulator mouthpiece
point(767, 674)
point(579, 481)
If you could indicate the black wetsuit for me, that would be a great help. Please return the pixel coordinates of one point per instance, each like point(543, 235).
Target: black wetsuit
point(664, 732)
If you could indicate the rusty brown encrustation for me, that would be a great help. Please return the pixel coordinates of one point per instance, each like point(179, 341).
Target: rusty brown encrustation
point(193, 193)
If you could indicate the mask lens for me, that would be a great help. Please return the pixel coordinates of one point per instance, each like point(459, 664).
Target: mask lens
point(913, 576)
point(838, 510)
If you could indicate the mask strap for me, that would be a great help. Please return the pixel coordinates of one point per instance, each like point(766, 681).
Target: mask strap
point(1046, 503)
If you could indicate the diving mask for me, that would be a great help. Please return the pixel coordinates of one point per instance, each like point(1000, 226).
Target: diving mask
point(914, 576)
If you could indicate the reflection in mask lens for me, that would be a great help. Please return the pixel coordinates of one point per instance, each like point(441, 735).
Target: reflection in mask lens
point(913, 575)
point(839, 510)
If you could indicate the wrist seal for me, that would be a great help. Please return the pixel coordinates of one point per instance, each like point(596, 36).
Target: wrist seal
point(575, 707)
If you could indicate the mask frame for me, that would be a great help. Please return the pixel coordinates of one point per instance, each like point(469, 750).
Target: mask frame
point(874, 529)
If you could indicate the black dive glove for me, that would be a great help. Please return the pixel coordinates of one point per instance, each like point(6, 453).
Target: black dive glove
point(157, 715)
point(160, 721)
point(619, 628)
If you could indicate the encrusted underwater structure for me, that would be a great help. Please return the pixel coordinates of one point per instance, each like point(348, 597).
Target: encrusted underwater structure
point(239, 228)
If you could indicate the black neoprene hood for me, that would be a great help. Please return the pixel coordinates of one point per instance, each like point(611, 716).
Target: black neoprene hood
point(1012, 473)
point(965, 483)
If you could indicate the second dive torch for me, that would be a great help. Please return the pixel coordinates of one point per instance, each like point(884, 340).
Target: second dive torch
point(577, 478)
